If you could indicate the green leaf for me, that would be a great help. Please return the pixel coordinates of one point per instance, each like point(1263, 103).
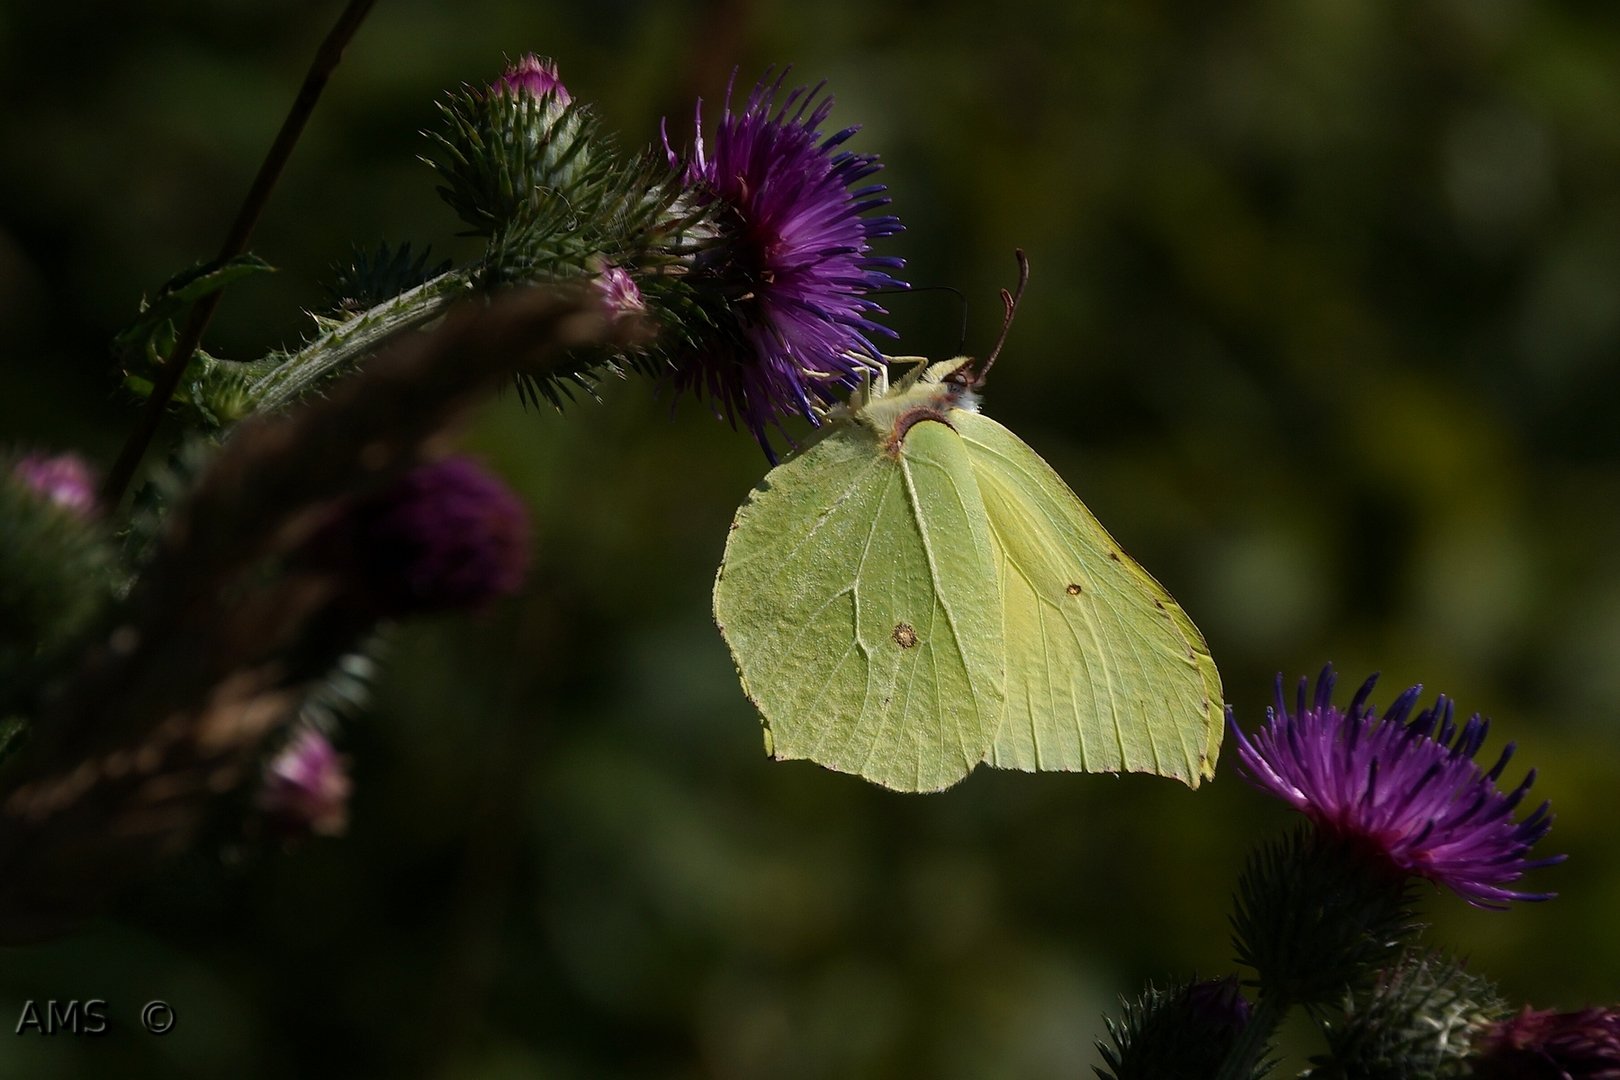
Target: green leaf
point(192, 285)
point(183, 290)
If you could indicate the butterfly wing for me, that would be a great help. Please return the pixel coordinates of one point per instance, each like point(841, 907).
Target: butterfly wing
point(1105, 672)
point(859, 598)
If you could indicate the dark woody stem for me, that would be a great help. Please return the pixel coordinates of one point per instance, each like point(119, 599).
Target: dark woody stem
point(174, 365)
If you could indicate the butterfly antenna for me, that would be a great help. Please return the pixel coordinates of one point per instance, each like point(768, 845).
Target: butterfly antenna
point(1009, 302)
point(961, 301)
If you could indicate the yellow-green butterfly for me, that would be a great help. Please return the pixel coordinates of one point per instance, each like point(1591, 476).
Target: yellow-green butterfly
point(918, 592)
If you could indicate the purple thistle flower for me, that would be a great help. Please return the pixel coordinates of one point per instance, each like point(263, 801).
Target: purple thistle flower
point(1408, 794)
point(535, 77)
point(306, 787)
point(64, 479)
point(1547, 1045)
point(790, 261)
point(448, 535)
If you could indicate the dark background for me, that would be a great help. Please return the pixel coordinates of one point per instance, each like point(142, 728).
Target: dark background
point(1323, 325)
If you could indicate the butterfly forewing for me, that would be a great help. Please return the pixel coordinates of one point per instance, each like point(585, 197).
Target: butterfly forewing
point(1105, 673)
point(860, 600)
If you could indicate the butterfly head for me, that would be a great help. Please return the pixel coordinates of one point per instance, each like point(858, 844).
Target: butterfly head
point(925, 393)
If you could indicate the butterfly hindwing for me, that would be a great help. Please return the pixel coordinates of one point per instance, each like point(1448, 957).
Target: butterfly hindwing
point(861, 603)
point(1105, 672)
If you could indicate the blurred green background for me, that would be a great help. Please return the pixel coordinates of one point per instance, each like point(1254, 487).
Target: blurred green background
point(1324, 325)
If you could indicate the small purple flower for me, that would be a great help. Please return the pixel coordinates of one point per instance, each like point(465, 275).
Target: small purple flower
point(64, 479)
point(306, 787)
point(620, 296)
point(533, 76)
point(1411, 796)
point(791, 260)
point(449, 535)
point(1547, 1045)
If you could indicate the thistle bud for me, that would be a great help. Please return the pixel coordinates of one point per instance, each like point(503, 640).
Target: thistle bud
point(57, 568)
point(1417, 1018)
point(306, 788)
point(64, 479)
point(533, 76)
point(1170, 1034)
point(514, 154)
point(620, 296)
point(1583, 1045)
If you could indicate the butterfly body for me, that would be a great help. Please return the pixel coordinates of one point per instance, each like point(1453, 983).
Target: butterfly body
point(918, 592)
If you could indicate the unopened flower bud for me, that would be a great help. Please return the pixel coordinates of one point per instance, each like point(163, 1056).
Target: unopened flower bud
point(64, 479)
point(534, 76)
point(306, 788)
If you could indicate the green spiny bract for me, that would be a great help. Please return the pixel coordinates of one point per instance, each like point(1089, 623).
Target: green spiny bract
point(1312, 918)
point(1184, 1033)
point(373, 276)
point(636, 220)
point(1418, 1019)
point(507, 158)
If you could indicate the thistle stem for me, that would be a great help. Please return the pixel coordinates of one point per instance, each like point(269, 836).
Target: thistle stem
point(174, 365)
point(1252, 1040)
point(339, 348)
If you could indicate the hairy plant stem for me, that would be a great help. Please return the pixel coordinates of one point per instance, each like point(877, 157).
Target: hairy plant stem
point(343, 346)
point(173, 369)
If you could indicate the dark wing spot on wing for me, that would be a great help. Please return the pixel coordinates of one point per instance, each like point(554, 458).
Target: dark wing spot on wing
point(1074, 589)
point(905, 636)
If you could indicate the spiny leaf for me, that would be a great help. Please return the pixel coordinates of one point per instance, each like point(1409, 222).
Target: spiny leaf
point(183, 290)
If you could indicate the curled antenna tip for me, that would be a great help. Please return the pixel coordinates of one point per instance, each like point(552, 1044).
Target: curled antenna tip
point(1009, 302)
